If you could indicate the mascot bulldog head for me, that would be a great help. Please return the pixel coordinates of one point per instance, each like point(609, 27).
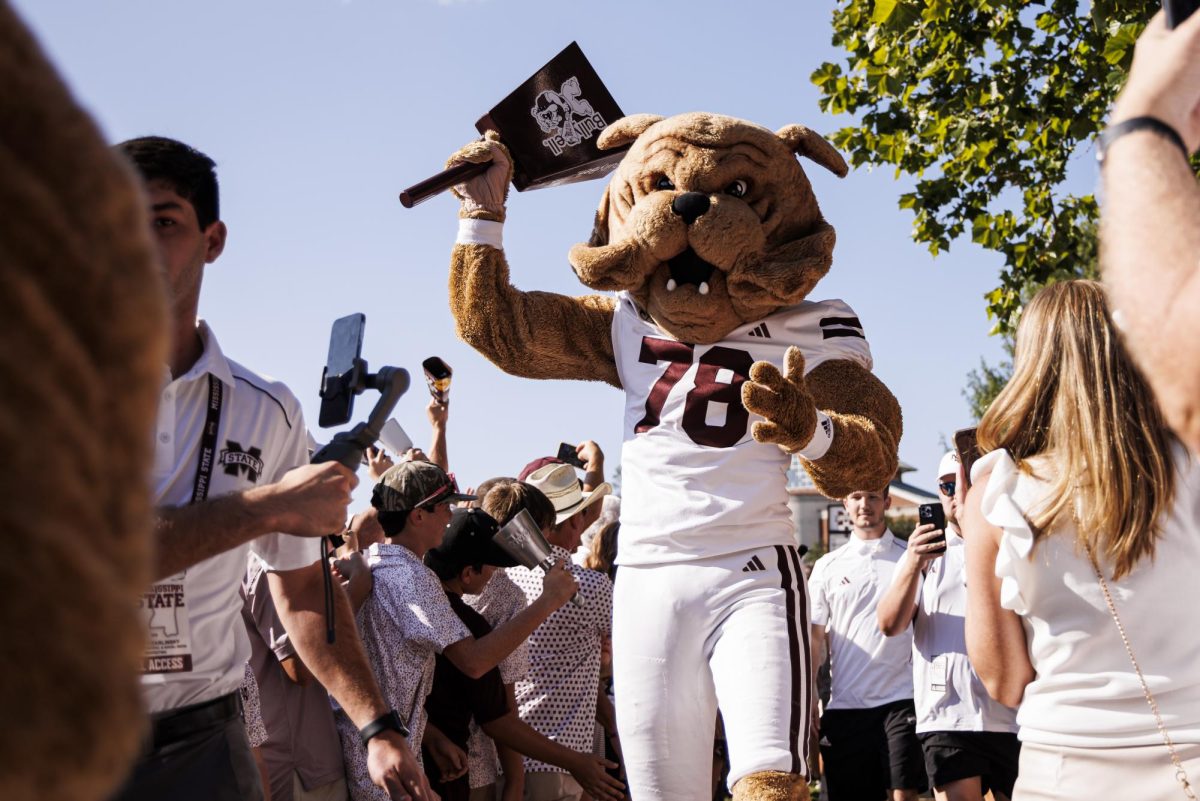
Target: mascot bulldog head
point(709, 221)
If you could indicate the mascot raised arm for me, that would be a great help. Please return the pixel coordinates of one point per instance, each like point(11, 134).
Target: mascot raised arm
point(711, 238)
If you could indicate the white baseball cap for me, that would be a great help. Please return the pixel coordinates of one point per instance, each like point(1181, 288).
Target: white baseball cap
point(949, 465)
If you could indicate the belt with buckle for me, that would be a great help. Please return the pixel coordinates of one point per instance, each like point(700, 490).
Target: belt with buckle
point(178, 724)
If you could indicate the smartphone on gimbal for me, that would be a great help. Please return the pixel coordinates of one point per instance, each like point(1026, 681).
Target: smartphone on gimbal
point(344, 370)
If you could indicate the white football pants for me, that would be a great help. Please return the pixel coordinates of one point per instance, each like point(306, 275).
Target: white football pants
point(729, 632)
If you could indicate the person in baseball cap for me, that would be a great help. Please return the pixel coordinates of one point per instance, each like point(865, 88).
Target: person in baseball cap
point(467, 543)
point(948, 485)
point(413, 499)
point(415, 484)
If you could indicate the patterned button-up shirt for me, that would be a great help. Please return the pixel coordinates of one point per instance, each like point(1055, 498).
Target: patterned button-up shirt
point(405, 622)
point(558, 698)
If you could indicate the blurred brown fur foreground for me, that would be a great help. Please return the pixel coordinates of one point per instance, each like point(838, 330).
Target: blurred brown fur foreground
point(82, 348)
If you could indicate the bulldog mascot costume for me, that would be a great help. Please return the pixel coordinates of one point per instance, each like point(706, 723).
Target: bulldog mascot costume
point(81, 358)
point(711, 238)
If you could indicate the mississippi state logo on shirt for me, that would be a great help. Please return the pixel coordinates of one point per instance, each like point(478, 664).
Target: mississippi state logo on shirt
point(246, 461)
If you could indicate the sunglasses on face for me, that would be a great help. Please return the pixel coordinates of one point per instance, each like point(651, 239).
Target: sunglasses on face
point(947, 488)
point(441, 493)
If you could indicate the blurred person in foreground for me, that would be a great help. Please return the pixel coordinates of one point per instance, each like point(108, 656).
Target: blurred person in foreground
point(1150, 218)
point(1082, 558)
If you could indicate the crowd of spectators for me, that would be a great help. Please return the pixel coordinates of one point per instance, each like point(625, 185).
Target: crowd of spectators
point(1034, 646)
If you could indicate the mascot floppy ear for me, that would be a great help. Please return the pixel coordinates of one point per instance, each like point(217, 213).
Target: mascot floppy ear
point(600, 224)
point(617, 134)
point(625, 130)
point(806, 142)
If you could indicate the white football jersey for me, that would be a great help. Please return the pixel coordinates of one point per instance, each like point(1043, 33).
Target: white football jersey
point(695, 483)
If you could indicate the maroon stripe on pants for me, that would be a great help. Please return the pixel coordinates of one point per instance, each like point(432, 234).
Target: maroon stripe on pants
point(806, 654)
point(798, 691)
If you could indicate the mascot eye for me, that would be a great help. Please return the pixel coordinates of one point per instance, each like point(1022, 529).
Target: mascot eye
point(664, 183)
point(737, 189)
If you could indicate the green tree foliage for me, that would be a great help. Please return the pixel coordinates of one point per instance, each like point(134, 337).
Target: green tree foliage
point(984, 384)
point(983, 103)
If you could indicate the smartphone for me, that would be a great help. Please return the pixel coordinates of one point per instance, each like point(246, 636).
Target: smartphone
point(344, 370)
point(437, 376)
point(933, 513)
point(1179, 10)
point(566, 453)
point(393, 438)
point(967, 448)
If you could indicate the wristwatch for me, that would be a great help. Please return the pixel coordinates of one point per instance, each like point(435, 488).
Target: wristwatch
point(389, 722)
point(1114, 132)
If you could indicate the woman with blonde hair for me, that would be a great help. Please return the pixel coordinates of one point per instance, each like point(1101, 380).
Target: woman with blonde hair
point(1083, 564)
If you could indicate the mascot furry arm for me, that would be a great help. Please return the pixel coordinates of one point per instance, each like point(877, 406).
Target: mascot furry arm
point(529, 334)
point(708, 223)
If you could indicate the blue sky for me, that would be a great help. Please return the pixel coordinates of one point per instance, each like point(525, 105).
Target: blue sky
point(319, 111)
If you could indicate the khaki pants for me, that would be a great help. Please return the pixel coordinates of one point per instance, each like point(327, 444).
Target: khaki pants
point(551, 787)
point(1061, 773)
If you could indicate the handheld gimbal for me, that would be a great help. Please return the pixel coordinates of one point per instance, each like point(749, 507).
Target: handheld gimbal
point(344, 377)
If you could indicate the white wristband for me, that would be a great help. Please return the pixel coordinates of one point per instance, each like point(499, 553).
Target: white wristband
point(480, 232)
point(822, 438)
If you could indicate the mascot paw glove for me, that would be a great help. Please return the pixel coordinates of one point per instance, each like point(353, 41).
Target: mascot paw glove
point(783, 399)
point(484, 195)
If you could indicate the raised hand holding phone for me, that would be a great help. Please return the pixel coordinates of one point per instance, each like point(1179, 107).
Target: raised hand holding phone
point(569, 455)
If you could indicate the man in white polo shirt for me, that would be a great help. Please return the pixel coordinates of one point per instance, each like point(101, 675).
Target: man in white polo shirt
point(867, 736)
point(969, 740)
point(230, 475)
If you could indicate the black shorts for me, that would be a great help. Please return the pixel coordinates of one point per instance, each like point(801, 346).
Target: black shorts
point(990, 755)
point(869, 751)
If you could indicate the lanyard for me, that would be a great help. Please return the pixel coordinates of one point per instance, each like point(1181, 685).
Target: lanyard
point(204, 465)
point(208, 440)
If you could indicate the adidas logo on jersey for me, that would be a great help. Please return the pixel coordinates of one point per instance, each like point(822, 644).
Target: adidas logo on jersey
point(754, 565)
point(761, 330)
point(841, 327)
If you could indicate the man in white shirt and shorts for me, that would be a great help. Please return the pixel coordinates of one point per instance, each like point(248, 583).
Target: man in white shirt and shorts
point(867, 734)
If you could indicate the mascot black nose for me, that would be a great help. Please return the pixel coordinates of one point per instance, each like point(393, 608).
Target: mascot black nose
point(690, 205)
